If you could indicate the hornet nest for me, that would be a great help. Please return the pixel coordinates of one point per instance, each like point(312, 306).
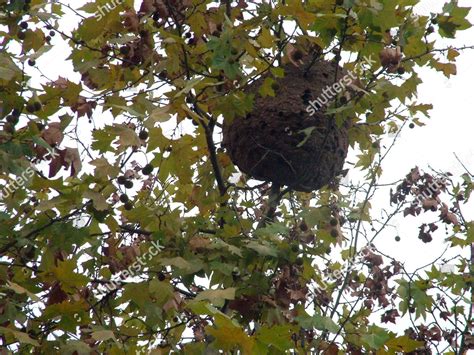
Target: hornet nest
point(280, 141)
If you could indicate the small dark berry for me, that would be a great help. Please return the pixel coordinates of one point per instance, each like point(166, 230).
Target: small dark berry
point(143, 135)
point(303, 226)
point(124, 50)
point(124, 198)
point(121, 180)
point(411, 125)
point(24, 25)
point(299, 261)
point(128, 184)
point(52, 33)
point(401, 70)
point(30, 107)
point(128, 206)
point(397, 238)
point(333, 222)
point(37, 105)
point(21, 35)
point(31, 62)
point(147, 169)
point(334, 233)
point(161, 276)
point(12, 119)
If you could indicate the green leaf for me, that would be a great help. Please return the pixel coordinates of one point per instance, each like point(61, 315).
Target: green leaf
point(216, 296)
point(103, 335)
point(404, 344)
point(376, 338)
point(23, 338)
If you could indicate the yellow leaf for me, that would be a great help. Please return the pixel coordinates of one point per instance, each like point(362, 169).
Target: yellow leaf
point(229, 336)
point(404, 344)
point(448, 69)
point(216, 295)
point(265, 39)
point(452, 54)
point(295, 9)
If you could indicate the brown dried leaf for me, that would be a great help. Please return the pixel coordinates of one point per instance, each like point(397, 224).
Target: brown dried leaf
point(391, 57)
point(199, 243)
point(83, 107)
point(131, 21)
point(53, 135)
point(72, 158)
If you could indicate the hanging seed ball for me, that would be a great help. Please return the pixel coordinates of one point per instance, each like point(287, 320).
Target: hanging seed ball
point(280, 141)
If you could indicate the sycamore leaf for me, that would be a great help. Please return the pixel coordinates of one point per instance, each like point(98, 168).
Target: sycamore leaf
point(404, 344)
point(23, 338)
point(229, 336)
point(278, 336)
point(216, 295)
point(73, 159)
point(98, 200)
point(103, 335)
point(377, 338)
point(448, 69)
point(20, 290)
point(159, 114)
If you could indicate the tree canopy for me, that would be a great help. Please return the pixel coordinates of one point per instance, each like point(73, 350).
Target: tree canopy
point(126, 226)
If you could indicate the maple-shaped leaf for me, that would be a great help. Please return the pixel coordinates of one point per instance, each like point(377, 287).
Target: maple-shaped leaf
point(83, 107)
point(73, 159)
point(53, 134)
point(57, 162)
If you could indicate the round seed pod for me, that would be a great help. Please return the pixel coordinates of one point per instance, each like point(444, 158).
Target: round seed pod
point(281, 141)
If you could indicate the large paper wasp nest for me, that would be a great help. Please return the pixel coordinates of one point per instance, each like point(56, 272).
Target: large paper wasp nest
point(280, 141)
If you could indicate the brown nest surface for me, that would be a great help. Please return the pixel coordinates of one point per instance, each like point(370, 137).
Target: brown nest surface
point(280, 141)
